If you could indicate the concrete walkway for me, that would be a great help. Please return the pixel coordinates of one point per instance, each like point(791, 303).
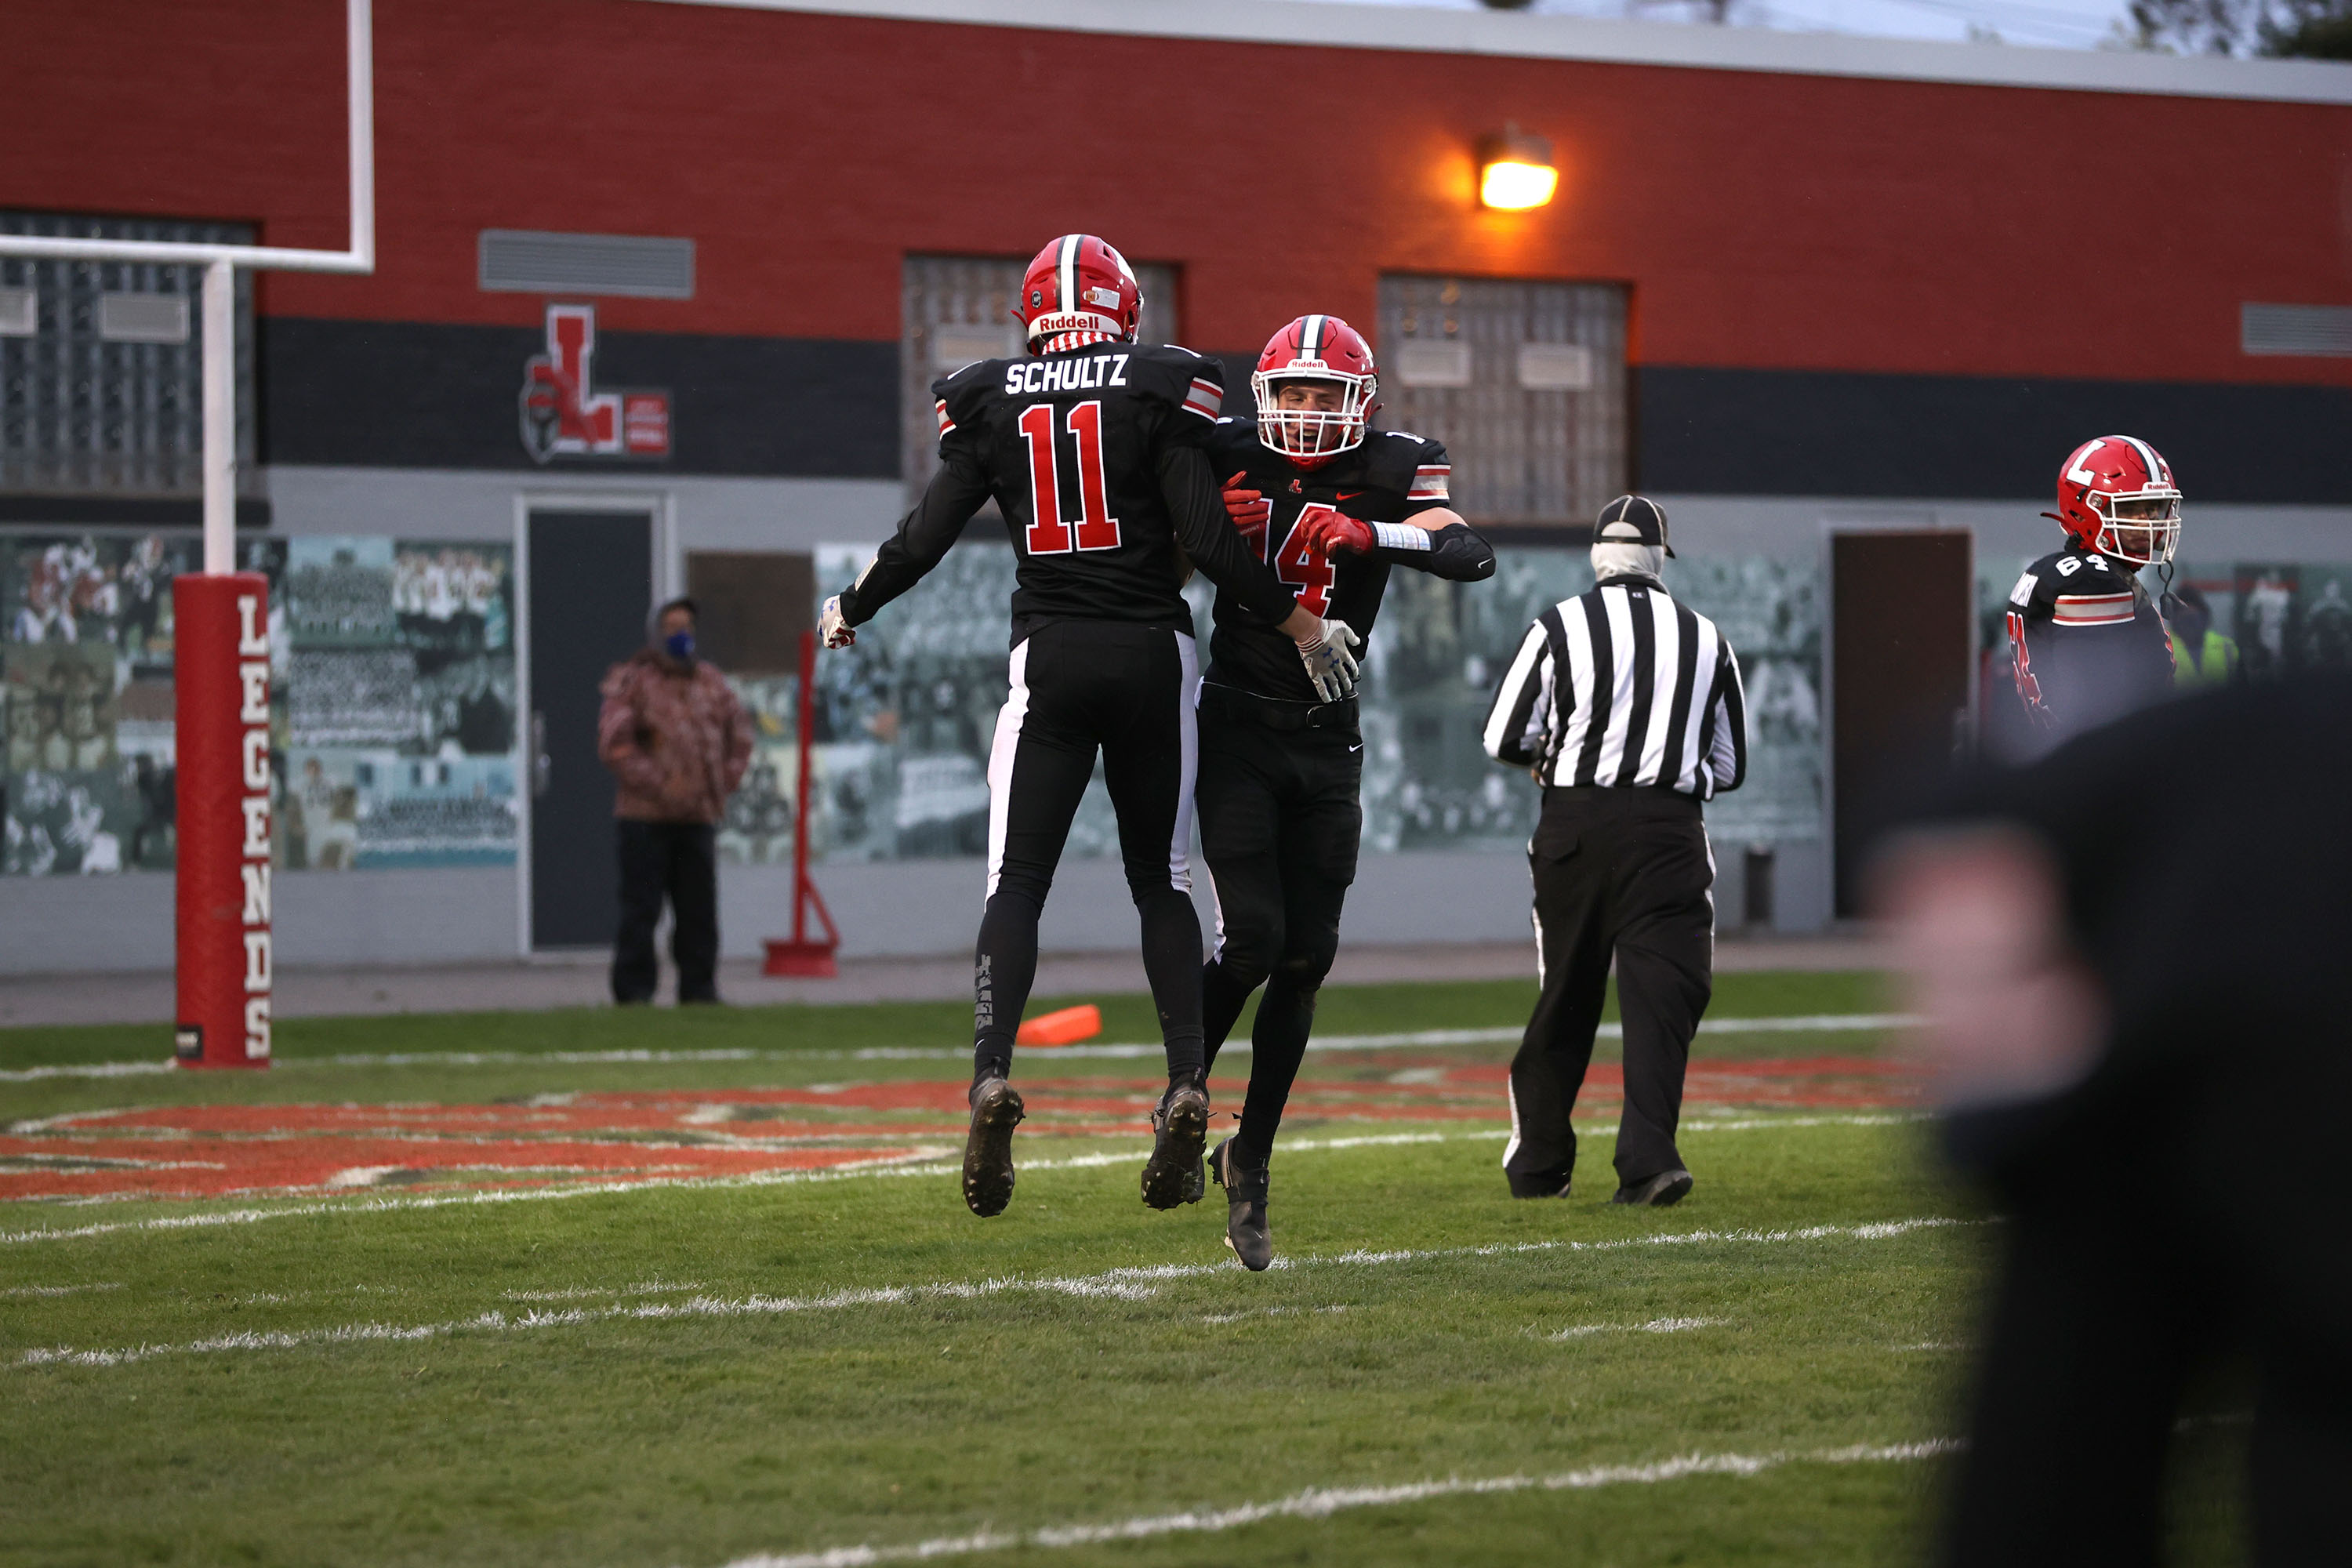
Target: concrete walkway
point(580, 983)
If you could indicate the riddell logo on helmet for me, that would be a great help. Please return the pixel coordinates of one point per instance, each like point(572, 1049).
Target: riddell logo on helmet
point(1068, 321)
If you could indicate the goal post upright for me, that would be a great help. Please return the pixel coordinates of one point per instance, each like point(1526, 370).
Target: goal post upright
point(221, 930)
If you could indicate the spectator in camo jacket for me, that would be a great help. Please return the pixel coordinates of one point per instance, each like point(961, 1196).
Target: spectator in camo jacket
point(674, 734)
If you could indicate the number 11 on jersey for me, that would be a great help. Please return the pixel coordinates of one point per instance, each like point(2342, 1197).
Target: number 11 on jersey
point(1049, 533)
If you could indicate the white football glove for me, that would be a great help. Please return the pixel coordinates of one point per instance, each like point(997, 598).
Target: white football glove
point(1330, 661)
point(830, 630)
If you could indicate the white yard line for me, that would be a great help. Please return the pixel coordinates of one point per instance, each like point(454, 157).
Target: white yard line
point(14, 1290)
point(1115, 1284)
point(925, 1162)
point(1322, 1502)
point(1819, 1023)
point(1655, 1326)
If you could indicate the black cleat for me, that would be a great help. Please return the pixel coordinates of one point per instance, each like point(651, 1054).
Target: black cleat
point(1179, 1126)
point(996, 1110)
point(1665, 1188)
point(1246, 1193)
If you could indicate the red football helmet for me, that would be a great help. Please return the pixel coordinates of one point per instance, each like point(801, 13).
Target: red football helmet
point(1078, 290)
point(1316, 349)
point(2116, 496)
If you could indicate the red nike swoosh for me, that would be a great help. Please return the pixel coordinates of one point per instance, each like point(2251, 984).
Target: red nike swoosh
point(1348, 494)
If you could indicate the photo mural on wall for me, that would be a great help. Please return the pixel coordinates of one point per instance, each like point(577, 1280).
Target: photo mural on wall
point(87, 770)
point(905, 717)
point(400, 704)
point(393, 682)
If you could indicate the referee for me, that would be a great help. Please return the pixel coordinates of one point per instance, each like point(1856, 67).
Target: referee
point(1625, 706)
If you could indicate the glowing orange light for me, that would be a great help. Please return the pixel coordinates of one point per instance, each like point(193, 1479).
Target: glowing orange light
point(1515, 171)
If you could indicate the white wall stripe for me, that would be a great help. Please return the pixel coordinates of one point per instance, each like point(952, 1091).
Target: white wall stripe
point(1323, 1502)
point(1111, 1284)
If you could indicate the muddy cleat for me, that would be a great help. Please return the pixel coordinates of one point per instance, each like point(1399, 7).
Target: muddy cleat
point(1245, 1193)
point(1664, 1188)
point(1179, 1126)
point(996, 1110)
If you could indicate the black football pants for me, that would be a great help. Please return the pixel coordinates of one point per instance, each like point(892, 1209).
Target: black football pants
point(1281, 820)
point(1624, 873)
point(1080, 686)
point(679, 861)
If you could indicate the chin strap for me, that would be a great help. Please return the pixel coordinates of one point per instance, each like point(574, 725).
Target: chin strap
point(2168, 603)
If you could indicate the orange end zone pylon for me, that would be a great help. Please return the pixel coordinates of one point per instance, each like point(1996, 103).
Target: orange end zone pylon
point(1067, 1028)
point(800, 955)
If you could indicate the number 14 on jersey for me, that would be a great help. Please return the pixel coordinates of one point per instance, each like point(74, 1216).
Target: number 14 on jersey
point(1050, 533)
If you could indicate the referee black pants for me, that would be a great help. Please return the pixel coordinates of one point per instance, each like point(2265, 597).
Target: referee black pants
point(1078, 688)
point(1621, 873)
point(1281, 820)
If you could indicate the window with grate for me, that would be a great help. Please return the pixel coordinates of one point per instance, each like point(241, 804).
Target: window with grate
point(100, 363)
point(959, 309)
point(1523, 381)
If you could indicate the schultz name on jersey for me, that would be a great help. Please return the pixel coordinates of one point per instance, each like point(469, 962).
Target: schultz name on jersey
point(1388, 480)
point(1081, 450)
point(2087, 644)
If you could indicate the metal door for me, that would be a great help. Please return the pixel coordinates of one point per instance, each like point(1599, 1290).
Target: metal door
point(590, 584)
point(1902, 650)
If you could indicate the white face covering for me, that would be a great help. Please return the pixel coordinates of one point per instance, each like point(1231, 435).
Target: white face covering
point(1614, 560)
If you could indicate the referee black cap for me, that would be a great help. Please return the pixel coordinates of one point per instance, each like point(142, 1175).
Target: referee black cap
point(1633, 519)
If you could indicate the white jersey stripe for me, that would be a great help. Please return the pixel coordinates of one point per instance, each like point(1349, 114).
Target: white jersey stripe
point(1620, 609)
point(1664, 672)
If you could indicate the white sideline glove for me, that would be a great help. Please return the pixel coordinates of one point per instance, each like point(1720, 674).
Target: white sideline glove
point(1330, 661)
point(830, 630)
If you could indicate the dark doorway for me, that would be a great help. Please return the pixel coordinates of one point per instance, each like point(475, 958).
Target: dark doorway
point(1902, 639)
point(591, 581)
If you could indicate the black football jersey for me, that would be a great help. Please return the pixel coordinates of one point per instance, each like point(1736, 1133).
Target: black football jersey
point(1081, 450)
point(1391, 478)
point(2086, 643)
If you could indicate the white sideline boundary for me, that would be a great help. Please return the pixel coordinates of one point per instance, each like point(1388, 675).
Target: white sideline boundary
point(1819, 1023)
point(1128, 1284)
point(1322, 1502)
point(920, 1163)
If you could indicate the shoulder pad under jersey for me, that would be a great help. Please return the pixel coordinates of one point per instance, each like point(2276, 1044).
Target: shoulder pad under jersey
point(1191, 382)
point(958, 399)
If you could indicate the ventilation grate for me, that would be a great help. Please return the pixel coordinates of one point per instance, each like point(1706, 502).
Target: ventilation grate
point(522, 261)
point(2296, 329)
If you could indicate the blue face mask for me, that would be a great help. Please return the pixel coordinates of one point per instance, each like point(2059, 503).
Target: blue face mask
point(680, 645)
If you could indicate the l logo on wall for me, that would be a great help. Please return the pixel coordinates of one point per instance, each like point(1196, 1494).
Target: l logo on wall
point(565, 415)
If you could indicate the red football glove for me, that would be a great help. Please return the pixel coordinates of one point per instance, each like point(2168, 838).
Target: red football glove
point(1250, 510)
point(1328, 532)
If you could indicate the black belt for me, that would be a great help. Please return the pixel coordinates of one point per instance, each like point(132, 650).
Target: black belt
point(1275, 712)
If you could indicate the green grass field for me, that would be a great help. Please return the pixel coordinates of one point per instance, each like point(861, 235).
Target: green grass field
point(804, 1362)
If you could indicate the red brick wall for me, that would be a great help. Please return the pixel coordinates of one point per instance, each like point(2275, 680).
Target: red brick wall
point(1763, 220)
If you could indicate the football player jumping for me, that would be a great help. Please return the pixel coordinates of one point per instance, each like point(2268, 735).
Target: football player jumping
point(1091, 446)
point(2087, 644)
point(1334, 508)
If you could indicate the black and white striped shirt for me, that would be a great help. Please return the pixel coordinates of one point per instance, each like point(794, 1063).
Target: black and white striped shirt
point(1623, 687)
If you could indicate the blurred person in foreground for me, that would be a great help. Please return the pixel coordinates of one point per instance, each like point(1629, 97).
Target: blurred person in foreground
point(2133, 953)
point(677, 740)
point(2087, 643)
point(1626, 707)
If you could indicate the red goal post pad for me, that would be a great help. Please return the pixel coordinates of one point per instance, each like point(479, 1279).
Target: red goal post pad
point(220, 677)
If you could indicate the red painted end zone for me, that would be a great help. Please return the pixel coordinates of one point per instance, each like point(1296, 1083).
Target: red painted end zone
point(215, 1150)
